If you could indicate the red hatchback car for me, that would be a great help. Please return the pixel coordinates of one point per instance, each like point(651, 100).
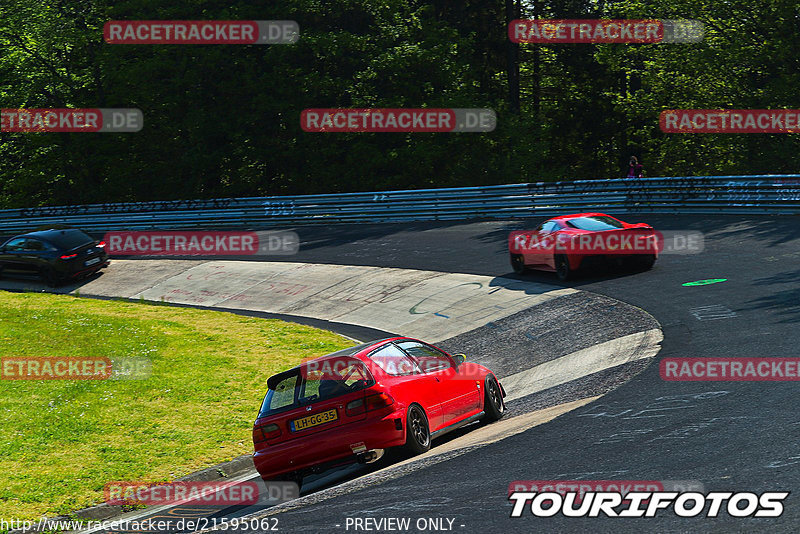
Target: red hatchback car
point(351, 405)
point(568, 243)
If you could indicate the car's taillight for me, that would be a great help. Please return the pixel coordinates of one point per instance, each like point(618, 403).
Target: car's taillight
point(101, 244)
point(68, 256)
point(263, 433)
point(355, 407)
point(368, 404)
point(381, 400)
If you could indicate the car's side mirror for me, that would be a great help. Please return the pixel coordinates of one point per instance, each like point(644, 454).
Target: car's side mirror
point(459, 359)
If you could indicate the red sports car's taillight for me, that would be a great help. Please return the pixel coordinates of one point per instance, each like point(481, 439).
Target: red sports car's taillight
point(368, 404)
point(263, 433)
point(355, 407)
point(376, 402)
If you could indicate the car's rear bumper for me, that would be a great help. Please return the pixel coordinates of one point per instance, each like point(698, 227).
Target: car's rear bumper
point(89, 270)
point(327, 448)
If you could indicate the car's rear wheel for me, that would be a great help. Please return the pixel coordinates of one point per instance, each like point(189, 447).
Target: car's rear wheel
point(493, 405)
point(418, 432)
point(563, 270)
point(645, 262)
point(518, 263)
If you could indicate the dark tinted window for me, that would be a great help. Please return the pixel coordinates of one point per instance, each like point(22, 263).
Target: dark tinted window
point(16, 244)
point(315, 381)
point(596, 223)
point(34, 245)
point(69, 239)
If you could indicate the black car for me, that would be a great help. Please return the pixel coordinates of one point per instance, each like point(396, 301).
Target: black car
point(55, 255)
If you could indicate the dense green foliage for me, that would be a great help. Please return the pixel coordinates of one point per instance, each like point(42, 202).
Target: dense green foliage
point(223, 120)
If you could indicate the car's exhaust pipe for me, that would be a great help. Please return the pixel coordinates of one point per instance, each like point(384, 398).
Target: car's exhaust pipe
point(370, 456)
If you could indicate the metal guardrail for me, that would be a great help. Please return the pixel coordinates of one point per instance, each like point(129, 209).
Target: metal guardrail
point(763, 194)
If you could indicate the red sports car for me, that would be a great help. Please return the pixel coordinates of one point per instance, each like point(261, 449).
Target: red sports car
point(567, 243)
point(351, 405)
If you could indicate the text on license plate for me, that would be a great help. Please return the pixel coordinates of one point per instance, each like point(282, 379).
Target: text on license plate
point(314, 420)
point(93, 261)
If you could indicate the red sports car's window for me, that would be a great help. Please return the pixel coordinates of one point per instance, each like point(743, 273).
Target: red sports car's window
point(393, 361)
point(428, 358)
point(549, 227)
point(595, 223)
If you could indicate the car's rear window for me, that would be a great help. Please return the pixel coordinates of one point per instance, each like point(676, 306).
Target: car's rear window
point(595, 223)
point(69, 239)
point(313, 382)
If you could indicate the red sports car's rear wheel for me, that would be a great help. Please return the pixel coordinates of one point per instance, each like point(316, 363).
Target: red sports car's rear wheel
point(645, 262)
point(518, 263)
point(418, 433)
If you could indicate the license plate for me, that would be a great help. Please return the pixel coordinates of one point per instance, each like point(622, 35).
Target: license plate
point(92, 261)
point(314, 420)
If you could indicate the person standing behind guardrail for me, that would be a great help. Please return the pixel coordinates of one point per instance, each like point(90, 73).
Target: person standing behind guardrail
point(635, 169)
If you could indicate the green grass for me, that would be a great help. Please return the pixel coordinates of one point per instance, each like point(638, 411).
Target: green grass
point(62, 440)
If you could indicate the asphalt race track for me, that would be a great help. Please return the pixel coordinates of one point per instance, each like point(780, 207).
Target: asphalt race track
point(729, 436)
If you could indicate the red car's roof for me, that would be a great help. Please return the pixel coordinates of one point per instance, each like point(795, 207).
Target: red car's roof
point(576, 215)
point(358, 351)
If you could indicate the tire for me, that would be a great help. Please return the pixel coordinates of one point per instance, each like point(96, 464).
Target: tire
point(50, 277)
point(493, 404)
point(645, 262)
point(563, 270)
point(518, 264)
point(418, 432)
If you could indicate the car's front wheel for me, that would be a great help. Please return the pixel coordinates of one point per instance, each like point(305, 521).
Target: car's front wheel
point(493, 405)
point(418, 432)
point(563, 270)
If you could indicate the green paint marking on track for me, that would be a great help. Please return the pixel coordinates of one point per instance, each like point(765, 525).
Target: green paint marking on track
point(705, 282)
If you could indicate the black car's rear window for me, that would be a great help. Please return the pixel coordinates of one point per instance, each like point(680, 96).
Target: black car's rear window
point(68, 239)
point(315, 381)
point(595, 223)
